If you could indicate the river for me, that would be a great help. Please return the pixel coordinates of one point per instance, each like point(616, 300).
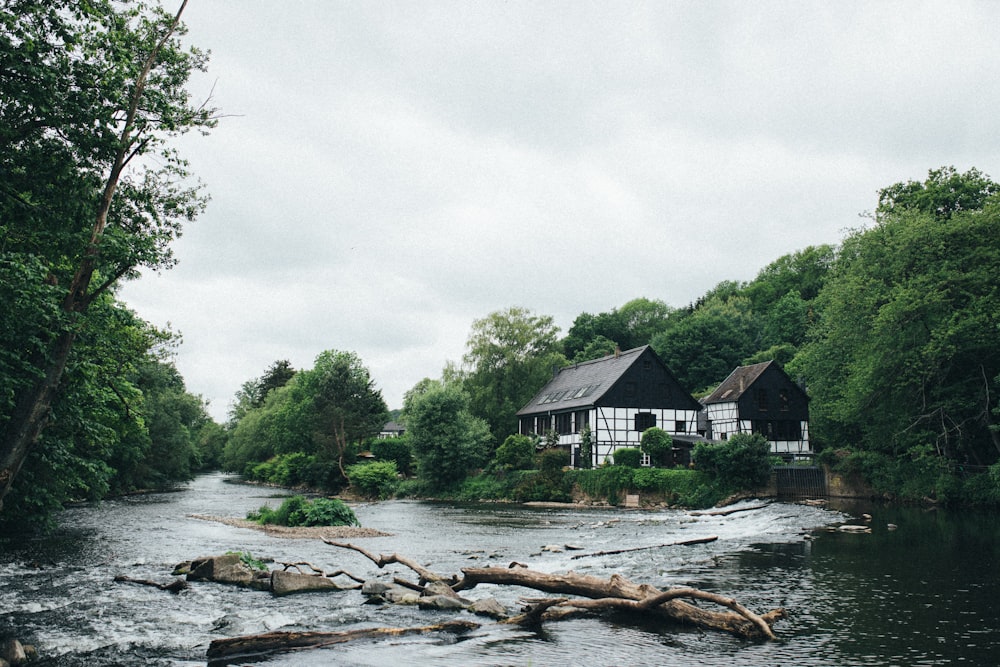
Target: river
point(922, 594)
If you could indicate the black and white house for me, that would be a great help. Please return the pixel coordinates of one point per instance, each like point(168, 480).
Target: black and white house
point(618, 397)
point(760, 398)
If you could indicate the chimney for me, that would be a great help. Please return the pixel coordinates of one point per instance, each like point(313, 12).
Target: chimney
point(618, 351)
point(742, 380)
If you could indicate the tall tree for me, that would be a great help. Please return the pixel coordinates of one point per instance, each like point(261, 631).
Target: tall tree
point(633, 325)
point(510, 355)
point(704, 347)
point(347, 406)
point(944, 193)
point(320, 412)
point(448, 442)
point(91, 192)
point(905, 350)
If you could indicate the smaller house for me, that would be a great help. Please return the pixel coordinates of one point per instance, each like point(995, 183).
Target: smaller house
point(761, 398)
point(617, 398)
point(392, 429)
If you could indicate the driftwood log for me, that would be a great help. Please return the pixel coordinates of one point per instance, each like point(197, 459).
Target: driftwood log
point(175, 586)
point(616, 593)
point(590, 594)
point(682, 543)
point(258, 647)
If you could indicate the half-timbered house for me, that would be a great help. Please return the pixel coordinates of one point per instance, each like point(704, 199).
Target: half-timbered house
point(761, 398)
point(617, 397)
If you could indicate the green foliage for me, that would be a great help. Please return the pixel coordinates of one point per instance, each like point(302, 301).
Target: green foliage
point(374, 480)
point(253, 394)
point(329, 512)
point(516, 453)
point(92, 193)
point(550, 483)
point(740, 463)
point(918, 475)
point(608, 482)
point(298, 511)
point(510, 355)
point(704, 347)
point(486, 486)
point(399, 450)
point(448, 442)
point(250, 561)
point(686, 488)
point(630, 457)
point(906, 338)
point(324, 413)
point(656, 444)
point(633, 325)
point(586, 448)
point(289, 470)
point(944, 193)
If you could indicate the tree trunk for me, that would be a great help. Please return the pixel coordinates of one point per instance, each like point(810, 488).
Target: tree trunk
point(614, 593)
point(617, 591)
point(257, 647)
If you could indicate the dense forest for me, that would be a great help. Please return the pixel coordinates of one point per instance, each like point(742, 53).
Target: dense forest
point(893, 331)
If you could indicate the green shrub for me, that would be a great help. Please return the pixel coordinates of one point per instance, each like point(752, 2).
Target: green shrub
point(630, 457)
point(550, 483)
point(329, 512)
point(398, 450)
point(542, 488)
point(656, 443)
point(916, 475)
point(516, 453)
point(740, 463)
point(485, 487)
point(374, 480)
point(297, 511)
point(248, 559)
point(552, 461)
point(606, 482)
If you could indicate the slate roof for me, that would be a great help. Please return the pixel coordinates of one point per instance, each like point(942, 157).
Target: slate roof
point(738, 382)
point(580, 385)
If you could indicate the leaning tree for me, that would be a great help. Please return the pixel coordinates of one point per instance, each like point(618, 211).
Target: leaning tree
point(90, 189)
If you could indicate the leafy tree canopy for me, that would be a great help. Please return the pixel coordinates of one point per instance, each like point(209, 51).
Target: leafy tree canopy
point(90, 95)
point(448, 441)
point(904, 353)
point(944, 193)
point(510, 355)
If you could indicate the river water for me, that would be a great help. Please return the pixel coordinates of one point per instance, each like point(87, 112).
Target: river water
point(923, 594)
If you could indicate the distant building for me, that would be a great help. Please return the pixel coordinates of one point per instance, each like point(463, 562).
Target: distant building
point(618, 397)
point(392, 429)
point(760, 399)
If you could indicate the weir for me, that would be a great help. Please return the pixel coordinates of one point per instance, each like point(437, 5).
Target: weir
point(799, 481)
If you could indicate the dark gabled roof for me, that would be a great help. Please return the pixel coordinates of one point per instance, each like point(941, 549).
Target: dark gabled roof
point(580, 385)
point(740, 380)
point(392, 427)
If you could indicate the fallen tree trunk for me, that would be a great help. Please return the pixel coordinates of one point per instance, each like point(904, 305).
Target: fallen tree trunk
point(175, 586)
point(257, 647)
point(684, 543)
point(383, 560)
point(620, 593)
point(604, 594)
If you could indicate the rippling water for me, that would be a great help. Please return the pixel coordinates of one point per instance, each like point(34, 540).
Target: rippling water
point(920, 595)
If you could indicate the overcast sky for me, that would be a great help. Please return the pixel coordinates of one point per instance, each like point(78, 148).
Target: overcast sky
point(389, 172)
